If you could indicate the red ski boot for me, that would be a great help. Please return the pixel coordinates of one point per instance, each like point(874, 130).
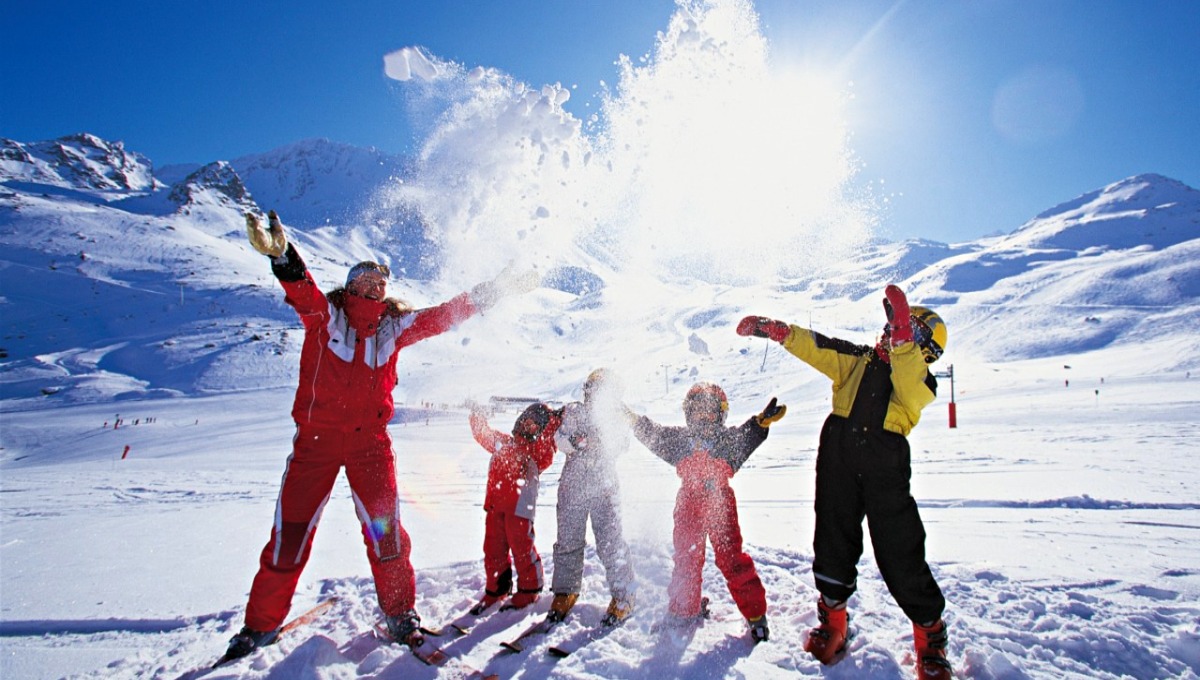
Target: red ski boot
point(930, 643)
point(827, 642)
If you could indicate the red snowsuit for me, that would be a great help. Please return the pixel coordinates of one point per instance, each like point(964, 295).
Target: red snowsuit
point(705, 508)
point(510, 502)
point(342, 408)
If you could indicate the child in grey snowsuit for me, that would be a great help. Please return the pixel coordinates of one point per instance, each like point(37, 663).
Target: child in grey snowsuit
point(593, 433)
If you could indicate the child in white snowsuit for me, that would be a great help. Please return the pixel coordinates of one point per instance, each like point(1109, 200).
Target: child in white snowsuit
point(592, 435)
point(706, 454)
point(863, 470)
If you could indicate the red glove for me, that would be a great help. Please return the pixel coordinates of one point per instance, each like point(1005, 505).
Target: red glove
point(762, 327)
point(898, 314)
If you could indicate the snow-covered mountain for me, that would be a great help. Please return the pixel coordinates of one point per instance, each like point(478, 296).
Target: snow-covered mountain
point(81, 161)
point(319, 182)
point(113, 277)
point(149, 306)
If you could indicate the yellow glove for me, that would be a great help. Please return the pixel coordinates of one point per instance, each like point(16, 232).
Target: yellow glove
point(770, 414)
point(271, 243)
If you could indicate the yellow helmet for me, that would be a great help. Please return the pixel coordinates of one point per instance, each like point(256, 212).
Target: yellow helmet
point(929, 332)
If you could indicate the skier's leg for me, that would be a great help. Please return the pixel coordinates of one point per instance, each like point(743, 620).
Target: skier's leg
point(570, 541)
point(689, 539)
point(496, 562)
point(307, 480)
point(526, 561)
point(740, 574)
point(897, 533)
point(371, 471)
point(837, 535)
point(611, 547)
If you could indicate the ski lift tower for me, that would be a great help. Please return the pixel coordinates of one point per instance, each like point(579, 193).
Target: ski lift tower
point(949, 373)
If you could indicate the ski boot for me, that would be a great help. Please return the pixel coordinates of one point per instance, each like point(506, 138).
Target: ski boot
point(522, 599)
point(489, 599)
point(247, 640)
point(561, 606)
point(405, 628)
point(619, 609)
point(827, 642)
point(759, 632)
point(930, 642)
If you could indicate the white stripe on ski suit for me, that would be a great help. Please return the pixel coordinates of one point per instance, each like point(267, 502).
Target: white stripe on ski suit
point(312, 522)
point(377, 349)
point(365, 517)
point(342, 338)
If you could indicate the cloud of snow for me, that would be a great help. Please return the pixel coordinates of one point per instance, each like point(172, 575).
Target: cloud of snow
point(704, 160)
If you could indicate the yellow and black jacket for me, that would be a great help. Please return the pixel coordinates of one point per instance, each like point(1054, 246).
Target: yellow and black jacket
point(897, 392)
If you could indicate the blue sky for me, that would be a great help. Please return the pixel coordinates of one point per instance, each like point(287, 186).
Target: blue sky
point(974, 115)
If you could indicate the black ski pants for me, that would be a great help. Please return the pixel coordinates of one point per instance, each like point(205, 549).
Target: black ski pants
point(863, 473)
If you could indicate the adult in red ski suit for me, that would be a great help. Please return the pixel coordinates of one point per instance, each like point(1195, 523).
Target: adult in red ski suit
point(352, 339)
point(706, 455)
point(518, 461)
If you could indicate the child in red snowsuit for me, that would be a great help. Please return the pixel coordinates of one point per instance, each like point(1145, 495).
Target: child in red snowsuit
point(512, 487)
point(352, 338)
point(706, 454)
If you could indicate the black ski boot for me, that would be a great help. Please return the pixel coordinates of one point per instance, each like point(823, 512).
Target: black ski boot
point(759, 632)
point(247, 640)
point(406, 628)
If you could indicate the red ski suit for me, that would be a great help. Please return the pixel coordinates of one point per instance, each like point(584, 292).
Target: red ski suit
point(510, 502)
point(705, 508)
point(342, 408)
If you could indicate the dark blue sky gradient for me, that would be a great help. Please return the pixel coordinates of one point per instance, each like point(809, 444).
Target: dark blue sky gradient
point(203, 81)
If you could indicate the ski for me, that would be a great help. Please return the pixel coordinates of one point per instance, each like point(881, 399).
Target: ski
point(568, 647)
point(429, 655)
point(417, 645)
point(463, 623)
point(517, 644)
point(302, 619)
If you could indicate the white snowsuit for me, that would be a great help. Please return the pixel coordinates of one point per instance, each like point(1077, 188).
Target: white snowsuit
point(589, 486)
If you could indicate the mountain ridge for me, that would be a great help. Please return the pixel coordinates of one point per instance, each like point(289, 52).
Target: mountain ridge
point(153, 290)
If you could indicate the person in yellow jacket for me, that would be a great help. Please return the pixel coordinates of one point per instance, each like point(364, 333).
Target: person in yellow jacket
point(863, 471)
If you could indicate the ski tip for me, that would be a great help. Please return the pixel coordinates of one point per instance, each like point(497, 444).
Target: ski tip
point(513, 647)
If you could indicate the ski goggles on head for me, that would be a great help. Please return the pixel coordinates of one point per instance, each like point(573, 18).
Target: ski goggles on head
point(923, 336)
point(365, 267)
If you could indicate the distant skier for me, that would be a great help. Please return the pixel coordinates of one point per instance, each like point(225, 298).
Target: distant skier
point(863, 470)
point(343, 403)
point(593, 433)
point(706, 454)
point(511, 500)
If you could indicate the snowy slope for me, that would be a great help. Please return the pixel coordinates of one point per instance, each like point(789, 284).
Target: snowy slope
point(1061, 512)
point(142, 306)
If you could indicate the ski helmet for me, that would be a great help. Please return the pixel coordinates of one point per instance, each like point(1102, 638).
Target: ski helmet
point(705, 404)
point(929, 332)
point(532, 421)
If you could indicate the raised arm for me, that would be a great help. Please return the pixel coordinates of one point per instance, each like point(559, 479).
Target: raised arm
point(489, 439)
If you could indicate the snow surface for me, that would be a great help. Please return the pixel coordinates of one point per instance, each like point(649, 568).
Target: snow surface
point(1063, 512)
